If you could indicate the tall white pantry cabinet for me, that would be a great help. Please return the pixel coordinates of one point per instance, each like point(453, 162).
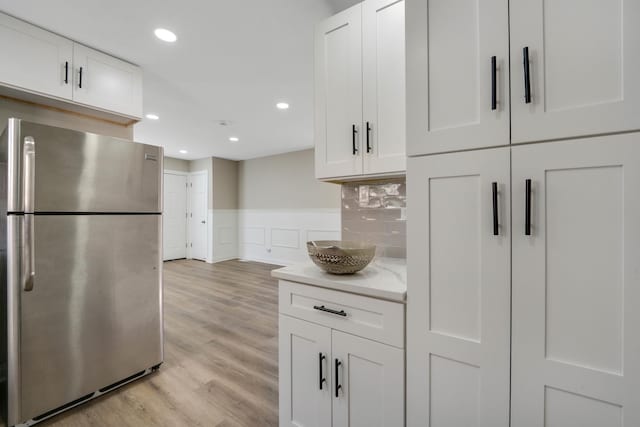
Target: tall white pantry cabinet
point(523, 299)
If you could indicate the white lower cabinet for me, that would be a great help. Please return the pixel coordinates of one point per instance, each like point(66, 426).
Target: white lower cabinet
point(332, 378)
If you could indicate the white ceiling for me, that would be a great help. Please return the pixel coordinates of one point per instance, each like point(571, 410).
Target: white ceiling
point(233, 61)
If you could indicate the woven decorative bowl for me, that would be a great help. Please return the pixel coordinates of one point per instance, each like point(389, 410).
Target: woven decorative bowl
point(340, 257)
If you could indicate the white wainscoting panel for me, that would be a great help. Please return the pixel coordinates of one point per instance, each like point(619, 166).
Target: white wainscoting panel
point(279, 236)
point(225, 234)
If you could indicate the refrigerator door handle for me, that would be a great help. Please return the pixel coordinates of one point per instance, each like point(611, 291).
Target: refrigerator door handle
point(28, 240)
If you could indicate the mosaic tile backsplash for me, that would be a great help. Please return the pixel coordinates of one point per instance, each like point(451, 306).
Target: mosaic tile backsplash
point(375, 212)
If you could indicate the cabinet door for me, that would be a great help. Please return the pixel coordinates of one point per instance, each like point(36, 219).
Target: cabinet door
point(576, 284)
point(35, 60)
point(384, 139)
point(305, 401)
point(584, 59)
point(450, 45)
point(338, 94)
point(105, 82)
point(458, 305)
point(370, 377)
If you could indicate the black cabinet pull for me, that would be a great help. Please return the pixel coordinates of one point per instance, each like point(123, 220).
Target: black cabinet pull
point(496, 225)
point(368, 135)
point(338, 386)
point(527, 76)
point(527, 208)
point(80, 80)
point(328, 310)
point(494, 88)
point(354, 132)
point(321, 358)
point(66, 72)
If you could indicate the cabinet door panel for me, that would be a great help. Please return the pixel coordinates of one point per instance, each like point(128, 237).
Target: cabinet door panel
point(458, 305)
point(576, 284)
point(338, 94)
point(449, 75)
point(384, 86)
point(34, 59)
point(302, 402)
point(584, 57)
point(107, 82)
point(371, 377)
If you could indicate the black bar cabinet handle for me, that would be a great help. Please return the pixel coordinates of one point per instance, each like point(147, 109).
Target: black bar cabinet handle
point(527, 208)
point(527, 76)
point(338, 386)
point(496, 225)
point(368, 135)
point(354, 131)
point(494, 88)
point(80, 80)
point(66, 72)
point(321, 358)
point(328, 310)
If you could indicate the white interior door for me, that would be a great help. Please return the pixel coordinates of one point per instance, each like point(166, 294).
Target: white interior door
point(450, 45)
point(174, 216)
point(584, 60)
point(384, 139)
point(198, 195)
point(371, 380)
point(338, 94)
point(305, 361)
point(576, 284)
point(458, 308)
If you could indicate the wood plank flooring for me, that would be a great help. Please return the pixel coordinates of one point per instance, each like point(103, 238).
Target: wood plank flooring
point(221, 355)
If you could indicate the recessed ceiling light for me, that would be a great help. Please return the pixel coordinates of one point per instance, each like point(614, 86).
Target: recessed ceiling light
point(282, 106)
point(165, 35)
point(234, 139)
point(183, 151)
point(152, 116)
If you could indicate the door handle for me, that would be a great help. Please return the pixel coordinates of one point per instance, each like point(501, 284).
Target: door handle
point(80, 80)
point(527, 208)
point(66, 72)
point(494, 87)
point(322, 379)
point(496, 224)
point(28, 229)
point(329, 310)
point(337, 365)
point(368, 137)
point(527, 75)
point(354, 132)
point(204, 222)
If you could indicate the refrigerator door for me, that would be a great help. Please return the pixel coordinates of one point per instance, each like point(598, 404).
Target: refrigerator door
point(77, 172)
point(93, 315)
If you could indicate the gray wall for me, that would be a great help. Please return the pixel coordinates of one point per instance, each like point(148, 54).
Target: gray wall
point(177, 165)
point(284, 181)
point(56, 117)
point(225, 184)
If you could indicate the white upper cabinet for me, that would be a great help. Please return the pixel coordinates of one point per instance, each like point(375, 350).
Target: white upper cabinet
point(383, 60)
point(457, 75)
point(583, 68)
point(35, 60)
point(105, 82)
point(360, 92)
point(338, 91)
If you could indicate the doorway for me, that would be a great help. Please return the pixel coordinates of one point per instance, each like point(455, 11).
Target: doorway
point(174, 217)
point(197, 218)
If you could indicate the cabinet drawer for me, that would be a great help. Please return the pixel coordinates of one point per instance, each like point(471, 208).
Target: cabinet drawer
point(379, 320)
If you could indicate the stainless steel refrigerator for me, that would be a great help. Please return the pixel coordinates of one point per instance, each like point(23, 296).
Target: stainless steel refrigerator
point(80, 267)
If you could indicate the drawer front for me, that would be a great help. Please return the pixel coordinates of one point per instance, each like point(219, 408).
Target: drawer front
point(371, 318)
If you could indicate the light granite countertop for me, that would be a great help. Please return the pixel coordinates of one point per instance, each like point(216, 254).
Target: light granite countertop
point(384, 278)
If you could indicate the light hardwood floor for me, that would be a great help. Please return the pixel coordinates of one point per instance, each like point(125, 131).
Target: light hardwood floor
point(221, 355)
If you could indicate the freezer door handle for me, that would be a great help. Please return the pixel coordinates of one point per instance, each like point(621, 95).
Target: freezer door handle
point(28, 240)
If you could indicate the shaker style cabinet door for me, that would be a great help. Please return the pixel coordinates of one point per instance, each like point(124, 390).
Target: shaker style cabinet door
point(368, 387)
point(107, 83)
point(383, 70)
point(457, 75)
point(305, 373)
point(576, 283)
point(338, 95)
point(35, 60)
point(458, 306)
point(574, 68)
